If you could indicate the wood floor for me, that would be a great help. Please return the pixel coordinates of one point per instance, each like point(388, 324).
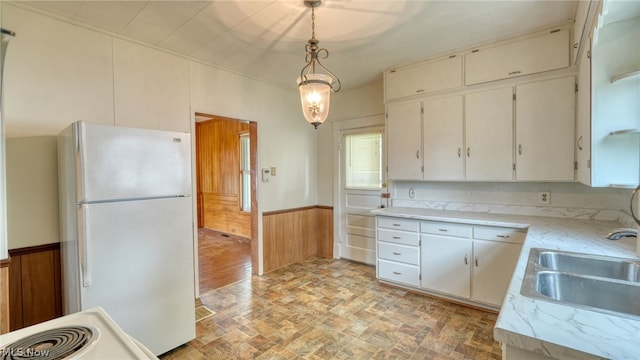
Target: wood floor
point(222, 259)
point(334, 309)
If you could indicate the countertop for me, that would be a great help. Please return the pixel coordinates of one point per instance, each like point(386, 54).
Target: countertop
point(543, 327)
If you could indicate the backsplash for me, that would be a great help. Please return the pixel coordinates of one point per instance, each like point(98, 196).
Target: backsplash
point(567, 199)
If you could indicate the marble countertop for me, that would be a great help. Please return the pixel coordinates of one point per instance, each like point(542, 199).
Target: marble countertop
point(543, 327)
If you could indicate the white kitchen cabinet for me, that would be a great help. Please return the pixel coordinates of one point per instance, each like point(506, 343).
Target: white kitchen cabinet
point(446, 264)
point(398, 250)
point(493, 263)
point(581, 29)
point(442, 138)
point(423, 78)
point(470, 262)
point(404, 141)
point(583, 116)
point(489, 135)
point(545, 123)
point(540, 53)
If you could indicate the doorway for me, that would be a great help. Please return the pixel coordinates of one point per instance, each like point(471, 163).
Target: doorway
point(362, 180)
point(226, 166)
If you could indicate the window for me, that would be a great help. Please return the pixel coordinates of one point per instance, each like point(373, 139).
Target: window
point(245, 173)
point(363, 160)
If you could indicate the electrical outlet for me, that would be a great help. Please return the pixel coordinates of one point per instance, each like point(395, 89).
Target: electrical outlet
point(544, 197)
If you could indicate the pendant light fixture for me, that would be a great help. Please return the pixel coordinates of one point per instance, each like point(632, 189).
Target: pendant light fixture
point(316, 88)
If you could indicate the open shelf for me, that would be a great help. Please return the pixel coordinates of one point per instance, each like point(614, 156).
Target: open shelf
point(623, 186)
point(626, 76)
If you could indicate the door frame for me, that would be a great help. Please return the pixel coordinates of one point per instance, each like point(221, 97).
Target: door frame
point(339, 127)
point(253, 136)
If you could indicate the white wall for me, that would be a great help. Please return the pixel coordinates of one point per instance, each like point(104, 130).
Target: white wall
point(57, 72)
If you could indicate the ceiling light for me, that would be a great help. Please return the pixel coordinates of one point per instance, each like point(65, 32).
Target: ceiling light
point(316, 88)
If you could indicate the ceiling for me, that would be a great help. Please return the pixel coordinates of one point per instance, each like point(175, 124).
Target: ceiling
point(265, 39)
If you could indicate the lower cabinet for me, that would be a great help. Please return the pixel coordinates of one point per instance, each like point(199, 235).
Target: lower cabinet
point(472, 263)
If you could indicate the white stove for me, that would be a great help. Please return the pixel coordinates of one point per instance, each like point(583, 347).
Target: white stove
point(89, 334)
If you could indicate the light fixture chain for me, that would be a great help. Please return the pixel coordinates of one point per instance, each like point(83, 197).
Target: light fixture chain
point(313, 22)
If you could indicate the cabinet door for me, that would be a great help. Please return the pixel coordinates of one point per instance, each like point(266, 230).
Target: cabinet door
point(493, 266)
point(424, 78)
point(489, 135)
point(580, 31)
point(529, 56)
point(583, 121)
point(445, 264)
point(442, 139)
point(404, 141)
point(545, 122)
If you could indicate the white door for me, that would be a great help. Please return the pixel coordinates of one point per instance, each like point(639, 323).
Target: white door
point(493, 265)
point(361, 183)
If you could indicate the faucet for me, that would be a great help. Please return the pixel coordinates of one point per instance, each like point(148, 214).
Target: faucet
point(616, 234)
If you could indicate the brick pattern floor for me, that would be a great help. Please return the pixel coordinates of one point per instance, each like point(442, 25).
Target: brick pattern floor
point(335, 309)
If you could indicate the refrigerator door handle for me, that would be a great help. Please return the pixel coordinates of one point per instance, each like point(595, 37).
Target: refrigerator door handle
point(83, 247)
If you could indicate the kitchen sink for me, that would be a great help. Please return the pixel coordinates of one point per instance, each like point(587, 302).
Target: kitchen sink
point(601, 266)
point(599, 283)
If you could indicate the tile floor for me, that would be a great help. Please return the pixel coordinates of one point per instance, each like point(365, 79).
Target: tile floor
point(334, 309)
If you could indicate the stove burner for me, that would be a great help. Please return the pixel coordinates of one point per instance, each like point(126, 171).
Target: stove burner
point(53, 344)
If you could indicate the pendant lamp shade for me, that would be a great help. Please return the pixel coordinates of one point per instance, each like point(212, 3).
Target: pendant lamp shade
point(315, 95)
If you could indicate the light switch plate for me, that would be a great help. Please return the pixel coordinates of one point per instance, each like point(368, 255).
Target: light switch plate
point(266, 175)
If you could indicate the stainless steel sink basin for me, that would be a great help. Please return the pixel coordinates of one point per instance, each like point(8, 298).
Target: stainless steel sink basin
point(590, 292)
point(599, 283)
point(607, 267)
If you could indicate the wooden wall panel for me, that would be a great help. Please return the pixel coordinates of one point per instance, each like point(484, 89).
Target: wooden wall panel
point(293, 235)
point(4, 296)
point(325, 231)
point(218, 176)
point(35, 293)
point(220, 212)
point(15, 293)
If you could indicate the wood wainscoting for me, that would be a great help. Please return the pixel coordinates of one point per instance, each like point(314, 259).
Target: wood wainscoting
point(293, 235)
point(4, 295)
point(35, 286)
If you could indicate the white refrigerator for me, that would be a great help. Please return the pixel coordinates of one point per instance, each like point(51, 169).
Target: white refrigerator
point(126, 227)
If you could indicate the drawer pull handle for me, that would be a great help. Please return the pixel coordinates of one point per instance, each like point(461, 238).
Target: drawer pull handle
point(443, 230)
point(396, 253)
point(397, 273)
point(466, 260)
point(477, 262)
point(515, 72)
point(397, 237)
point(503, 236)
point(396, 224)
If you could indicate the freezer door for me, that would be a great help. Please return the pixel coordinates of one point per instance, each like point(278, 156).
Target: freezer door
point(124, 163)
point(137, 263)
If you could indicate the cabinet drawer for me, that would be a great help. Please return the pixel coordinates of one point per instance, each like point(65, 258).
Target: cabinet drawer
point(443, 228)
point(399, 237)
point(398, 272)
point(397, 223)
point(401, 253)
point(501, 234)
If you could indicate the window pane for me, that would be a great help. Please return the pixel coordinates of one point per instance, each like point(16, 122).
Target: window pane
point(245, 173)
point(363, 160)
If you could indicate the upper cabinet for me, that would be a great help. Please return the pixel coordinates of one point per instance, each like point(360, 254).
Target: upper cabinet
point(423, 78)
point(545, 52)
point(443, 138)
point(489, 135)
point(545, 121)
point(404, 130)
